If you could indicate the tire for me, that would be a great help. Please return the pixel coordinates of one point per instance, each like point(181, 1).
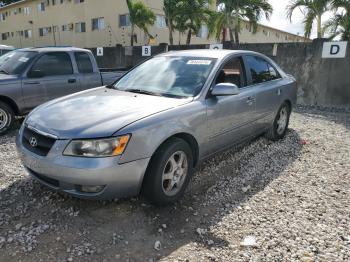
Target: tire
point(162, 185)
point(279, 127)
point(7, 118)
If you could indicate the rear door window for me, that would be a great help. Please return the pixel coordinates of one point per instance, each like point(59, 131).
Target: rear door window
point(84, 63)
point(261, 71)
point(54, 64)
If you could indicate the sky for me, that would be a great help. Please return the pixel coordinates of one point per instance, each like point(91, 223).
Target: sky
point(279, 19)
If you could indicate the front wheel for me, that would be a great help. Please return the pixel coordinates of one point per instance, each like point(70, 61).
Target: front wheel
point(169, 173)
point(279, 127)
point(6, 118)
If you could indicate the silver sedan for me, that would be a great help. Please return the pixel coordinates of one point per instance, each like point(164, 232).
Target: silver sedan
point(147, 132)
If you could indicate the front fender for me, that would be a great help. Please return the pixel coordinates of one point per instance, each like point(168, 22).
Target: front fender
point(149, 133)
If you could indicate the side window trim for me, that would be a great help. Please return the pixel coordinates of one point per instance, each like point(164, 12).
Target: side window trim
point(42, 55)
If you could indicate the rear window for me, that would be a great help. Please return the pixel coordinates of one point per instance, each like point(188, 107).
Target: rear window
point(84, 63)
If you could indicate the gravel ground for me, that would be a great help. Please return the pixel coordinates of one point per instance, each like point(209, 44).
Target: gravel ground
point(264, 201)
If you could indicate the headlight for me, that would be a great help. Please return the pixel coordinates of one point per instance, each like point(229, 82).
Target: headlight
point(97, 147)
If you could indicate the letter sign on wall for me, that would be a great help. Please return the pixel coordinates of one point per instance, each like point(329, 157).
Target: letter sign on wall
point(334, 49)
point(99, 51)
point(146, 51)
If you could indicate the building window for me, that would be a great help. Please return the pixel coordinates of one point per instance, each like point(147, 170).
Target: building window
point(80, 28)
point(2, 17)
point(203, 32)
point(124, 20)
point(65, 28)
point(41, 7)
point(98, 24)
point(44, 31)
point(160, 21)
point(27, 33)
point(4, 36)
point(78, 1)
point(26, 10)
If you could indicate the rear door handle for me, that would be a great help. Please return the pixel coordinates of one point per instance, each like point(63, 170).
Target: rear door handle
point(72, 81)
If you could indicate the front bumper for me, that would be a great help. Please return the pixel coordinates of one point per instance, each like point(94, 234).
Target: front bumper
point(69, 174)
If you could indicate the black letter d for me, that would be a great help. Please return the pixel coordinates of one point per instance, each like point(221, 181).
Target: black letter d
point(335, 49)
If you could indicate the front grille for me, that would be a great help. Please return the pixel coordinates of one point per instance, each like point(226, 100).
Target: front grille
point(47, 180)
point(43, 143)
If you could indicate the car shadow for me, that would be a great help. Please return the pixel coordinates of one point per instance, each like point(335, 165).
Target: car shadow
point(129, 228)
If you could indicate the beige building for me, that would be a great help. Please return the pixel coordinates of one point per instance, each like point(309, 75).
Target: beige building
point(94, 23)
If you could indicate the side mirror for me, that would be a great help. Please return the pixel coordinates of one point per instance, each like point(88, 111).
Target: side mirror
point(36, 74)
point(225, 89)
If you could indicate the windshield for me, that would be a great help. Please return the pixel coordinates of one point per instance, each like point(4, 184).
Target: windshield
point(15, 62)
point(168, 76)
point(5, 57)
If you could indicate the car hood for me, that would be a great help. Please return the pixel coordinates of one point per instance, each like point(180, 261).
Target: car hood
point(97, 113)
point(5, 79)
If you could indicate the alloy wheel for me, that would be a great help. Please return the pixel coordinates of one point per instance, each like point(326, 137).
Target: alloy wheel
point(3, 118)
point(174, 173)
point(282, 120)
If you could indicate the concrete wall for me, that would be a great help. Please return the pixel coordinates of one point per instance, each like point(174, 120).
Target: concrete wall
point(321, 81)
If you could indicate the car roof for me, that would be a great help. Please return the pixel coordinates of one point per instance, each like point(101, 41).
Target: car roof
point(208, 53)
point(54, 49)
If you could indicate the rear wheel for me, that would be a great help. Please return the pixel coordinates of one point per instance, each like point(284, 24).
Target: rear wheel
point(279, 127)
point(6, 118)
point(169, 173)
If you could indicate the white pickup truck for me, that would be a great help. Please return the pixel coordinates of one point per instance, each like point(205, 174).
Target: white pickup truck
point(32, 76)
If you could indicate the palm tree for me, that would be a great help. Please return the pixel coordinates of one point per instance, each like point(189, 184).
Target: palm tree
point(233, 12)
point(191, 15)
point(312, 10)
point(170, 12)
point(339, 25)
point(140, 16)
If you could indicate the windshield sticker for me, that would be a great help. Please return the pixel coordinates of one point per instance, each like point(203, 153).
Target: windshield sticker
point(23, 59)
point(199, 62)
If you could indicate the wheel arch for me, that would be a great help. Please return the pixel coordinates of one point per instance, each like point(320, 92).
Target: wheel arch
point(189, 139)
point(10, 103)
point(289, 103)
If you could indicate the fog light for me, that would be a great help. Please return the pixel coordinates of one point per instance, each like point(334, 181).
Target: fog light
point(91, 189)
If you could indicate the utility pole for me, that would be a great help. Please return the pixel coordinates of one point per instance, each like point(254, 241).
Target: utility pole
point(54, 35)
point(32, 23)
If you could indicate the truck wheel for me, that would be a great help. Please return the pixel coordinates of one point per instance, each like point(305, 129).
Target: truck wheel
point(279, 127)
point(7, 117)
point(169, 173)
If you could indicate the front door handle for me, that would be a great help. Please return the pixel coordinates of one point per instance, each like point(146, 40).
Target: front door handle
point(32, 83)
point(250, 100)
point(72, 81)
